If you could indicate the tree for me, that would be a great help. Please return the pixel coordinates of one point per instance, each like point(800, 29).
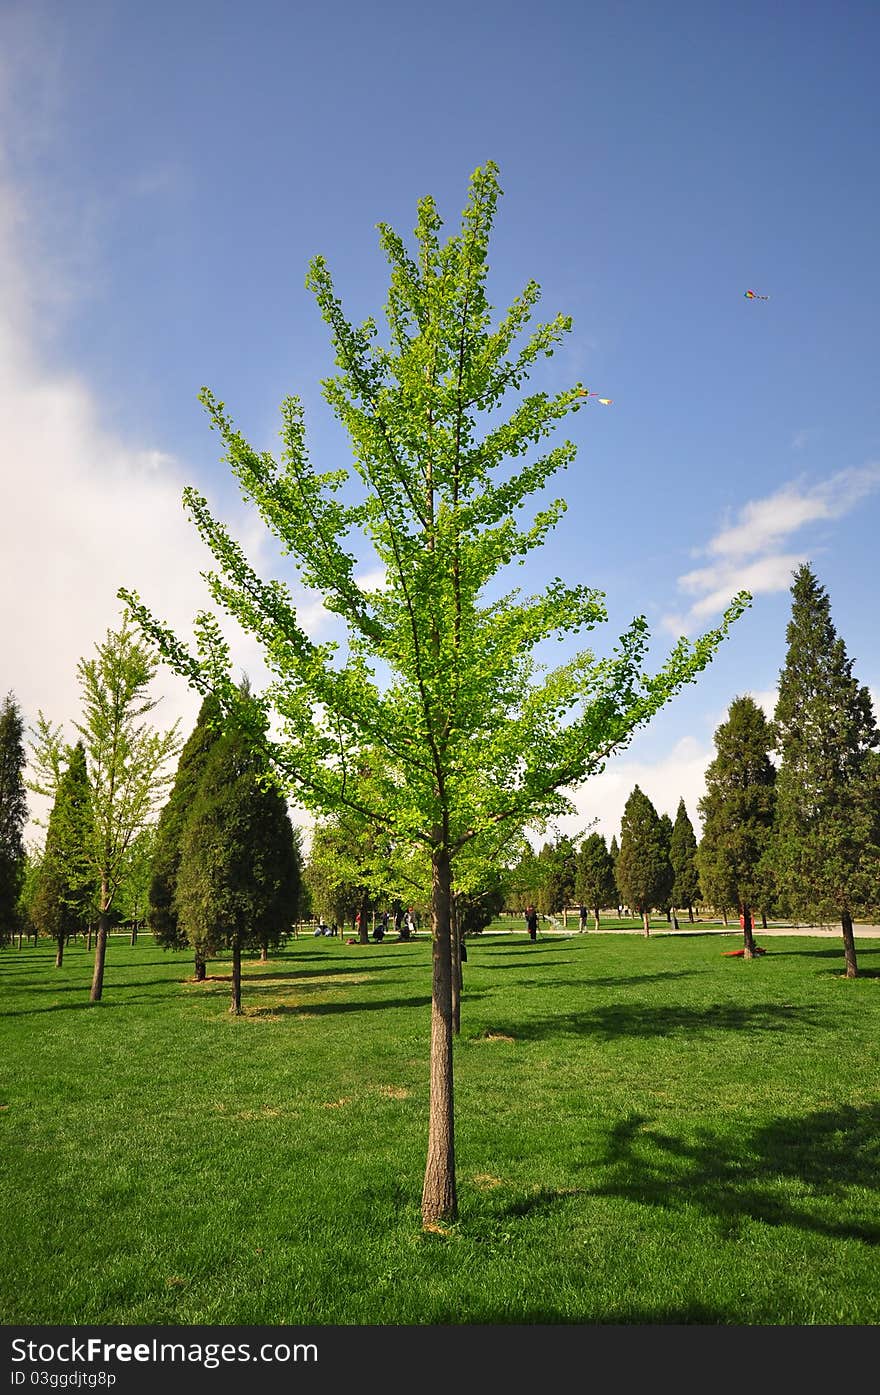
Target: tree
point(683, 856)
point(642, 868)
point(161, 909)
point(125, 758)
point(65, 893)
point(13, 814)
point(239, 875)
point(439, 673)
point(826, 844)
point(557, 869)
point(595, 885)
point(614, 852)
point(134, 888)
point(665, 903)
point(737, 812)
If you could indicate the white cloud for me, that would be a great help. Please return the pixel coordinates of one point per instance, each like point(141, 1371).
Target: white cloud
point(747, 553)
point(680, 775)
point(82, 512)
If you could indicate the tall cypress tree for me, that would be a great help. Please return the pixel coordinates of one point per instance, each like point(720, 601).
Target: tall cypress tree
point(683, 856)
point(666, 905)
point(594, 883)
point(162, 916)
point(13, 814)
point(825, 847)
point(614, 850)
point(737, 812)
point(239, 875)
point(643, 861)
point(66, 893)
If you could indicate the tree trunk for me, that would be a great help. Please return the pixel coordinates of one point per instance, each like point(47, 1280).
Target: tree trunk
point(565, 917)
point(20, 934)
point(691, 914)
point(264, 954)
point(101, 947)
point(134, 933)
point(201, 968)
point(595, 917)
point(439, 1200)
point(59, 955)
point(748, 938)
point(724, 916)
point(235, 1006)
point(363, 929)
point(646, 921)
point(849, 945)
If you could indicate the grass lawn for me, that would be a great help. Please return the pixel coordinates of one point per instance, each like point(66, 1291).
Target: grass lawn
point(646, 1132)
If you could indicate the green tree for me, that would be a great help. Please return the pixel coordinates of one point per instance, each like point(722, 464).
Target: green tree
point(439, 670)
point(13, 814)
point(665, 902)
point(161, 909)
point(737, 812)
point(683, 856)
point(557, 870)
point(642, 868)
point(134, 888)
point(126, 761)
point(239, 875)
point(594, 884)
point(825, 847)
point(614, 851)
point(65, 894)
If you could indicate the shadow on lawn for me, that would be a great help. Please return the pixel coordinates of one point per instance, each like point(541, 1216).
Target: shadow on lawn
point(823, 1154)
point(621, 1020)
point(827, 1153)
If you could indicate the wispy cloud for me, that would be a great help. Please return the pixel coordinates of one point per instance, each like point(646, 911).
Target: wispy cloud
point(748, 552)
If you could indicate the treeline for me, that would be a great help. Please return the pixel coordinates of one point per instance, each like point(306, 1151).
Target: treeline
point(207, 857)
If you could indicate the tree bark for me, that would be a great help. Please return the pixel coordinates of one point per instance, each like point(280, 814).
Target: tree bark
point(100, 948)
point(201, 968)
point(595, 917)
point(724, 916)
point(59, 955)
point(363, 929)
point(646, 921)
point(691, 914)
point(849, 945)
point(439, 1200)
point(748, 938)
point(675, 924)
point(235, 1006)
point(264, 954)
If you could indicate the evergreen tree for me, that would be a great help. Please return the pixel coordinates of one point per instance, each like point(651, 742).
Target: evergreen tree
point(683, 856)
point(239, 876)
point(13, 814)
point(595, 885)
point(825, 845)
point(557, 869)
point(665, 902)
point(642, 868)
point(66, 891)
point(162, 916)
point(614, 850)
point(737, 812)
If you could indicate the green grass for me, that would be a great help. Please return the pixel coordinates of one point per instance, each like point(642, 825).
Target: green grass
point(646, 1132)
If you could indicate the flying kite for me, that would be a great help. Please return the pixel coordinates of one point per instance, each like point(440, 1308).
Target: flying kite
point(753, 295)
point(606, 401)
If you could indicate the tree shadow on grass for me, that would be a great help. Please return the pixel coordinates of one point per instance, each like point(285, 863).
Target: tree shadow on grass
point(636, 1020)
point(330, 1009)
point(822, 1156)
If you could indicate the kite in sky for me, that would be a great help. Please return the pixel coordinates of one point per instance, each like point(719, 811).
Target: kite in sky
point(606, 401)
point(753, 295)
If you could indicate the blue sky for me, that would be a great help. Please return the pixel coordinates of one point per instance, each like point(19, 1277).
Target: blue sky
point(167, 172)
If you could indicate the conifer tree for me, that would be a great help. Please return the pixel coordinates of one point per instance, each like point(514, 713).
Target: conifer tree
point(65, 896)
point(239, 876)
point(665, 903)
point(162, 916)
point(826, 843)
point(13, 814)
point(642, 867)
point(440, 671)
point(614, 850)
point(683, 856)
point(594, 884)
point(737, 812)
